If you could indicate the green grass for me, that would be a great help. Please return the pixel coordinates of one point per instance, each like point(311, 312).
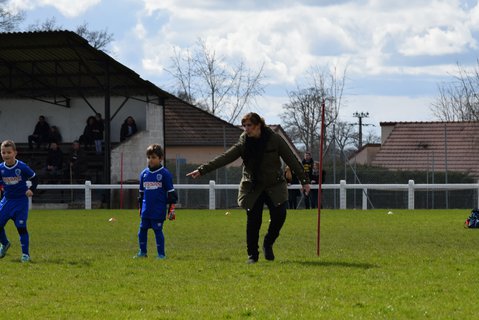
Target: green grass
point(408, 265)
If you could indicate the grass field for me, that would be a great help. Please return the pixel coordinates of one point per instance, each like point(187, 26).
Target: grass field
point(407, 265)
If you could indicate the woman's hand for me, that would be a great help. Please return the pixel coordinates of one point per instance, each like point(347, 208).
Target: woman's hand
point(194, 174)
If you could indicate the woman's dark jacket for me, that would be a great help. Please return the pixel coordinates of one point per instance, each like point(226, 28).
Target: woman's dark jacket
point(269, 176)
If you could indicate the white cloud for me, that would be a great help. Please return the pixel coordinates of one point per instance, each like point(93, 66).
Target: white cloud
point(270, 108)
point(379, 38)
point(71, 8)
point(68, 8)
point(283, 39)
point(439, 70)
point(437, 41)
point(375, 37)
point(140, 31)
point(16, 5)
point(291, 38)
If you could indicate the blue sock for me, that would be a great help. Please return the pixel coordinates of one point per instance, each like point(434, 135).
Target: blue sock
point(143, 239)
point(3, 236)
point(25, 243)
point(160, 242)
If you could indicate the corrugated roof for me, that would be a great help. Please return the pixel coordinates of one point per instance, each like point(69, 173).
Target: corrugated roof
point(54, 66)
point(430, 145)
point(61, 64)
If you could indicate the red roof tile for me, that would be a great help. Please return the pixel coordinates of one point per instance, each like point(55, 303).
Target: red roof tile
point(187, 125)
point(430, 145)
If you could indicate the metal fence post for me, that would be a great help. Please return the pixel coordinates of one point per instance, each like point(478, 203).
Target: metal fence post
point(212, 195)
point(88, 195)
point(410, 195)
point(477, 206)
point(342, 194)
point(30, 200)
point(365, 199)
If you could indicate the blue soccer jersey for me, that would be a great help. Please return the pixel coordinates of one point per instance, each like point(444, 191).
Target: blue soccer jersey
point(155, 186)
point(14, 179)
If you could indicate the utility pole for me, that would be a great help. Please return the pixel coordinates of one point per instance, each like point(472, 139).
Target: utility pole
point(360, 116)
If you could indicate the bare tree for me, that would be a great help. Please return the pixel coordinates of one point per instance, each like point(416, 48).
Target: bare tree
point(210, 82)
point(183, 73)
point(208, 68)
point(9, 21)
point(302, 114)
point(97, 39)
point(49, 24)
point(458, 100)
point(302, 118)
point(372, 137)
point(244, 90)
point(345, 136)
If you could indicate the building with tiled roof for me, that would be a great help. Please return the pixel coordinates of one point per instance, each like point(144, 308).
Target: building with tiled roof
point(429, 146)
point(194, 135)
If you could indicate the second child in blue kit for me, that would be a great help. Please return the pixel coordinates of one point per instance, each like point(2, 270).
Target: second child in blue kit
point(156, 199)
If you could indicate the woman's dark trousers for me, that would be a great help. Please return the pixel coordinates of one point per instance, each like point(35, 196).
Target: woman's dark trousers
point(254, 220)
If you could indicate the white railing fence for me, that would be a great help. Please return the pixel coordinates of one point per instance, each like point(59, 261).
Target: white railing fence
point(212, 187)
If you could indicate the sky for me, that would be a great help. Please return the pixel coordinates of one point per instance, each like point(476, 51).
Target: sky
point(396, 53)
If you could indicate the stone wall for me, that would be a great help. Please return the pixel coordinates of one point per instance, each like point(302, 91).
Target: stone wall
point(132, 152)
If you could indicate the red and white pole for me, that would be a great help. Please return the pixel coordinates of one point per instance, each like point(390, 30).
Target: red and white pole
point(320, 182)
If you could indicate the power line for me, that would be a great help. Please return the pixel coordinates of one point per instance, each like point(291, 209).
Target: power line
point(360, 116)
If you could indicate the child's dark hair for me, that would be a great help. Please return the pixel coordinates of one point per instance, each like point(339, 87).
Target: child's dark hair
point(154, 149)
point(9, 143)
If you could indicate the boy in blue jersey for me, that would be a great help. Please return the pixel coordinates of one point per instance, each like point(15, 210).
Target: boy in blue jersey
point(156, 193)
point(14, 204)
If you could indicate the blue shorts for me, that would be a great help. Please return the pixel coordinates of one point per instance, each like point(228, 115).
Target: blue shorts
point(155, 224)
point(14, 209)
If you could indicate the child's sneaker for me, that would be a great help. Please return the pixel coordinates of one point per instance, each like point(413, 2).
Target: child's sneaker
point(25, 258)
point(3, 249)
point(140, 254)
point(161, 257)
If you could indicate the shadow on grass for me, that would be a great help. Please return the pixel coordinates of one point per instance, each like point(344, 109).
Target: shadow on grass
point(342, 264)
point(60, 261)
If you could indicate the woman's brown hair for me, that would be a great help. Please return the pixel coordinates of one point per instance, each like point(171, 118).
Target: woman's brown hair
point(254, 118)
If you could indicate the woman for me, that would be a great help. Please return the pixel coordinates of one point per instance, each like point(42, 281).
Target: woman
point(128, 128)
point(262, 180)
point(90, 133)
